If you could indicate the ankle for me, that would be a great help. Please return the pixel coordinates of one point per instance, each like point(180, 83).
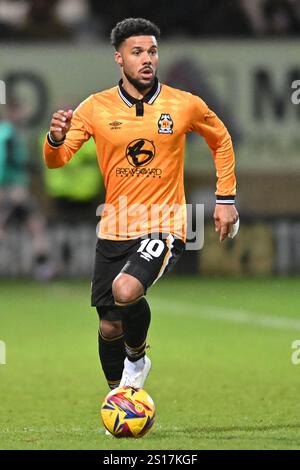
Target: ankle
point(135, 366)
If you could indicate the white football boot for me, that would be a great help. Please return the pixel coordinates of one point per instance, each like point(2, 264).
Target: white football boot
point(135, 373)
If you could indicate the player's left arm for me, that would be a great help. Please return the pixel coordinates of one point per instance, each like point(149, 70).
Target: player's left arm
point(206, 123)
point(226, 220)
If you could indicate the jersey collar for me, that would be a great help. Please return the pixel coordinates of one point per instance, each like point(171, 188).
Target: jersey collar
point(149, 98)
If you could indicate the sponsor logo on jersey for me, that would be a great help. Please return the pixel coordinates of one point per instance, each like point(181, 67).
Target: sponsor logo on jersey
point(165, 124)
point(154, 172)
point(140, 152)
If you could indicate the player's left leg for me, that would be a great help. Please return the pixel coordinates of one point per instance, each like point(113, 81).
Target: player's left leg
point(151, 258)
point(128, 293)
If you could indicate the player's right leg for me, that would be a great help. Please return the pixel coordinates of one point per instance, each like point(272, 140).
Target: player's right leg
point(111, 257)
point(109, 261)
point(111, 350)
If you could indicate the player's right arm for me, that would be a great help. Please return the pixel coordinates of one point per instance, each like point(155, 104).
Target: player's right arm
point(68, 131)
point(60, 125)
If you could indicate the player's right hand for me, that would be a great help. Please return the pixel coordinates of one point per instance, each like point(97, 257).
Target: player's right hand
point(60, 124)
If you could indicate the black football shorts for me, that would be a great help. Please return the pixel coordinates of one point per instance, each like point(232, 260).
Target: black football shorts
point(147, 259)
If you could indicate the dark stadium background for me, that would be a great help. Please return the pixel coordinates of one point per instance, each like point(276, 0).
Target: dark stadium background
point(242, 58)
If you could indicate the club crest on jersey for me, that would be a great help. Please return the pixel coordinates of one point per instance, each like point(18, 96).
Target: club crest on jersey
point(165, 124)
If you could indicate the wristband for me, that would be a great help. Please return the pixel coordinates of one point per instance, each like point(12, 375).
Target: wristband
point(55, 143)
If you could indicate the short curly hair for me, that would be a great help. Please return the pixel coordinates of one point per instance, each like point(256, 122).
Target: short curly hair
point(133, 27)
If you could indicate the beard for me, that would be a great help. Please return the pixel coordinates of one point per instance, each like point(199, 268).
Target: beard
point(138, 84)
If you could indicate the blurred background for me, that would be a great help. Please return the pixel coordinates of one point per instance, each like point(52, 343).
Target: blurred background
point(240, 56)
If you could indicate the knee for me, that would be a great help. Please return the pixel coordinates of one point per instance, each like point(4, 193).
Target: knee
point(111, 329)
point(126, 289)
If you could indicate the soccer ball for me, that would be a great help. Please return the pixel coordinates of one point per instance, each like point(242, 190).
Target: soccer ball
point(128, 412)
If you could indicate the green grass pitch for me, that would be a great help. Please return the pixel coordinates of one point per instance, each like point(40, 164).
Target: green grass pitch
point(222, 375)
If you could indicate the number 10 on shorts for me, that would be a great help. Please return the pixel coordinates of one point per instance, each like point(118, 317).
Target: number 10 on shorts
point(150, 249)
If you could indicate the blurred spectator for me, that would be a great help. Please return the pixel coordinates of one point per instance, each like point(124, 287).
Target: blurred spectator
point(84, 20)
point(18, 207)
point(223, 18)
point(282, 17)
point(12, 13)
point(254, 11)
point(205, 18)
point(7, 31)
point(76, 188)
point(76, 15)
point(43, 23)
point(231, 18)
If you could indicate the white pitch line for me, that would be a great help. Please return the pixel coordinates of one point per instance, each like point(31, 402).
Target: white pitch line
point(232, 316)
point(249, 318)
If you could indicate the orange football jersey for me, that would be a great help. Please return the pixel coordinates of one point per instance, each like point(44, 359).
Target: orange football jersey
point(140, 148)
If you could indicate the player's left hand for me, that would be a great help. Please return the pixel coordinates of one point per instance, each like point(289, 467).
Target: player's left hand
point(225, 216)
